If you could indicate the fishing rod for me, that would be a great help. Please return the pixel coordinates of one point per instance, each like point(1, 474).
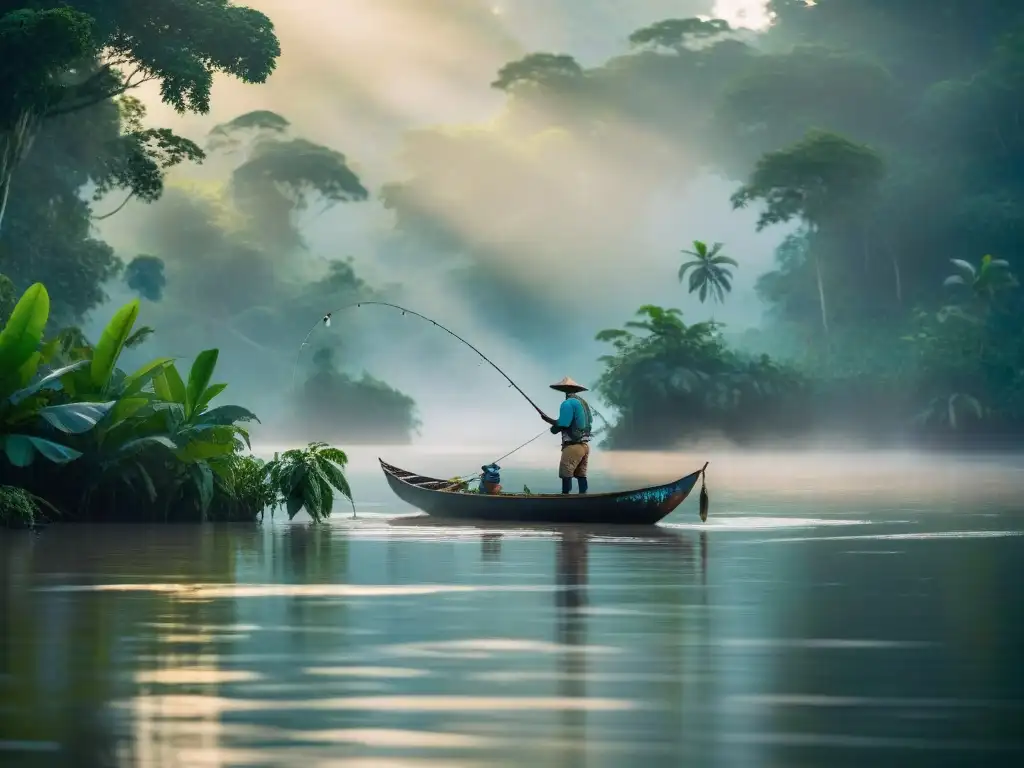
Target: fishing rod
point(326, 322)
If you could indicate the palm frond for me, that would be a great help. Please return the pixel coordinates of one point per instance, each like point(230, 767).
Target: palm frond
point(686, 267)
point(965, 267)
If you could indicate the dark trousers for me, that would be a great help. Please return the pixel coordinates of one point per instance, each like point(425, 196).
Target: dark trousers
point(567, 484)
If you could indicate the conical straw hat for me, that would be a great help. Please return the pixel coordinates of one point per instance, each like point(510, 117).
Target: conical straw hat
point(568, 385)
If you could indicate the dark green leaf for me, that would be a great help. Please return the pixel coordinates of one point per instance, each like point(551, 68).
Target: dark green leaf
point(169, 386)
point(202, 476)
point(108, 348)
point(293, 504)
point(135, 446)
point(21, 449)
point(23, 333)
point(199, 378)
point(52, 378)
point(134, 382)
point(227, 414)
point(76, 418)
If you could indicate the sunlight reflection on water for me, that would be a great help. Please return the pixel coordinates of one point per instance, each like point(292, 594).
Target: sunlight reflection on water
point(391, 642)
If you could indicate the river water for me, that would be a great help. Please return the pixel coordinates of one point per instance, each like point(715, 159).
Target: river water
point(832, 611)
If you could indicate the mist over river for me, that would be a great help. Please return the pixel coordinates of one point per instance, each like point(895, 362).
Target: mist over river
point(834, 610)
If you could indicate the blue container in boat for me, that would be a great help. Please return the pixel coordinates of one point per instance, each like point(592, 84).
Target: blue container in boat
point(490, 480)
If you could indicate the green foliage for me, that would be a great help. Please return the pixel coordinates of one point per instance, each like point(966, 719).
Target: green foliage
point(180, 44)
point(912, 171)
point(23, 332)
point(227, 135)
point(822, 177)
point(148, 445)
point(710, 275)
point(914, 157)
point(307, 479)
point(28, 416)
point(543, 69)
point(17, 508)
point(990, 278)
point(139, 158)
point(772, 100)
point(671, 381)
point(39, 45)
point(66, 76)
point(825, 180)
point(298, 169)
point(950, 411)
point(677, 34)
point(333, 404)
point(145, 275)
point(237, 270)
point(8, 298)
point(245, 487)
point(111, 343)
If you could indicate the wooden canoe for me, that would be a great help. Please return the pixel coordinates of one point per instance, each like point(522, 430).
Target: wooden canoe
point(644, 506)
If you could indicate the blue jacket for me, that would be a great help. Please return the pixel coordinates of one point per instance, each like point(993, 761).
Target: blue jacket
point(574, 421)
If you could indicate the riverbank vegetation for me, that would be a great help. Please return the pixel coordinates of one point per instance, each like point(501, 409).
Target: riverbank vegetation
point(879, 142)
point(84, 440)
point(221, 259)
point(894, 309)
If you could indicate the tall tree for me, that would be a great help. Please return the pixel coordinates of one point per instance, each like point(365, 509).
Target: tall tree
point(64, 57)
point(680, 34)
point(38, 47)
point(821, 180)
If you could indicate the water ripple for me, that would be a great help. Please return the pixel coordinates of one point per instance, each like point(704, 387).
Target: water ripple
point(755, 523)
point(923, 536)
point(817, 700)
point(186, 707)
point(486, 648)
point(376, 672)
point(846, 741)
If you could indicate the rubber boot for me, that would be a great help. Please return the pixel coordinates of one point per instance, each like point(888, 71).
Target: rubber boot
point(566, 485)
point(583, 484)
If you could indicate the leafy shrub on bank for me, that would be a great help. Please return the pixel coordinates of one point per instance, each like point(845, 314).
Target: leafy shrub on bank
point(17, 508)
point(669, 380)
point(98, 443)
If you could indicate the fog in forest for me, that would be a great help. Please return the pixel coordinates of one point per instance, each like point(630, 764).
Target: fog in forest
point(787, 224)
point(587, 237)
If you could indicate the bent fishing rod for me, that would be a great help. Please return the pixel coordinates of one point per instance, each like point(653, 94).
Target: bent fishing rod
point(326, 322)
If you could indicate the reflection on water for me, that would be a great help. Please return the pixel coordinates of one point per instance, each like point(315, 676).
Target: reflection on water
point(767, 638)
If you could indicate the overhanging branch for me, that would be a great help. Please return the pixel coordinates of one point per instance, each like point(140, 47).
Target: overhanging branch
point(116, 210)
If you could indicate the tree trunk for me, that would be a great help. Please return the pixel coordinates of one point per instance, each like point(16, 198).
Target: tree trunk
point(821, 294)
point(864, 250)
point(899, 280)
point(896, 273)
point(17, 141)
point(5, 191)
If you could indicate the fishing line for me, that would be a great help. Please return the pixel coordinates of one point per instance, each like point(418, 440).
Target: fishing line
point(474, 475)
point(326, 322)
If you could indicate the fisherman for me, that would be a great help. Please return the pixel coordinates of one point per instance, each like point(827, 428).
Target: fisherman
point(575, 423)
